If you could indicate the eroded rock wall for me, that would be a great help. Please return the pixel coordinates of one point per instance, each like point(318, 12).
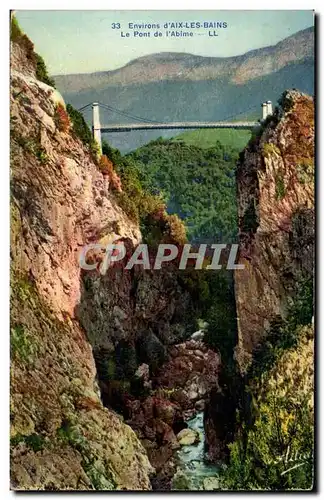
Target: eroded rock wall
point(62, 197)
point(275, 186)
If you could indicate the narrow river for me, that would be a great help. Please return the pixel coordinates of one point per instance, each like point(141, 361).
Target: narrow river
point(198, 474)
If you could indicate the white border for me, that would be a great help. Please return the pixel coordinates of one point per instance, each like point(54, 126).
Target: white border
point(4, 183)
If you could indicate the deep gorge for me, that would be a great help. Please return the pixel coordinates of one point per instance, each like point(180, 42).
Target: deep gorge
point(113, 374)
point(149, 369)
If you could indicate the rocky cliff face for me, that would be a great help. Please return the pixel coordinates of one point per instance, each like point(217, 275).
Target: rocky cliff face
point(60, 191)
point(61, 435)
point(275, 185)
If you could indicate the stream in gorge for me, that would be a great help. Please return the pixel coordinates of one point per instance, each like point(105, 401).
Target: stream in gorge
point(193, 471)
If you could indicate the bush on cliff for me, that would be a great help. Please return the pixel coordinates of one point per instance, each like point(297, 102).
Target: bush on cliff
point(82, 131)
point(61, 118)
point(107, 169)
point(274, 446)
point(276, 451)
point(15, 31)
point(214, 301)
point(41, 71)
point(17, 36)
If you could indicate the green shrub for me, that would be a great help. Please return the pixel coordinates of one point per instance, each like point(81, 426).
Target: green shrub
point(41, 155)
point(180, 482)
point(80, 126)
point(41, 71)
point(69, 433)
point(23, 345)
point(34, 441)
point(283, 429)
point(31, 145)
point(137, 202)
point(15, 31)
point(112, 153)
point(82, 131)
point(129, 206)
point(305, 171)
point(284, 334)
point(280, 186)
point(17, 36)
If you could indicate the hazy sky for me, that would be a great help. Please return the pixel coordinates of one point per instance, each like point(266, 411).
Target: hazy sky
point(84, 41)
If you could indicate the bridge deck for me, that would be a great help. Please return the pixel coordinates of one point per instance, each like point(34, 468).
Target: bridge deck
point(176, 125)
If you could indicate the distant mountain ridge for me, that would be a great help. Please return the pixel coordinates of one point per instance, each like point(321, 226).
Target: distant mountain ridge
point(208, 89)
point(182, 66)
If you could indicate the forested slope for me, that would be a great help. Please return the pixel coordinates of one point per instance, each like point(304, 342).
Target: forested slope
point(198, 184)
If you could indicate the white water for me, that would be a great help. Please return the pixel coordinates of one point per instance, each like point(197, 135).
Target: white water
point(190, 459)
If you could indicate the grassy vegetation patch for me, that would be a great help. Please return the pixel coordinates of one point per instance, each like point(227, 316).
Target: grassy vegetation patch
point(31, 145)
point(42, 73)
point(23, 344)
point(275, 422)
point(94, 468)
point(36, 442)
point(143, 205)
point(270, 149)
point(207, 138)
point(305, 171)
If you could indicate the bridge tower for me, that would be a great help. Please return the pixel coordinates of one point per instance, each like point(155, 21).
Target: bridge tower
point(266, 109)
point(269, 108)
point(96, 128)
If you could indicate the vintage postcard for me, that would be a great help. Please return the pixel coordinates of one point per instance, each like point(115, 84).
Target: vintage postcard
point(162, 250)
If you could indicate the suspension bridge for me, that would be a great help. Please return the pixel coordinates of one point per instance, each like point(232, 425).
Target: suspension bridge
point(141, 123)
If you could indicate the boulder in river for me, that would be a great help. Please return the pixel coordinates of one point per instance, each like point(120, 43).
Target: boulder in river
point(211, 483)
point(187, 437)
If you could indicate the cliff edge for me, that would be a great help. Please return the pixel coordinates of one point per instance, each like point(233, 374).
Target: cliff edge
point(275, 186)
